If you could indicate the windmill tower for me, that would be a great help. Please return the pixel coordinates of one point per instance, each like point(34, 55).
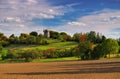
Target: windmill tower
point(46, 33)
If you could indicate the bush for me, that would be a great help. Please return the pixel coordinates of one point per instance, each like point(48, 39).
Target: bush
point(61, 53)
point(28, 59)
point(97, 53)
point(85, 49)
point(31, 54)
point(12, 54)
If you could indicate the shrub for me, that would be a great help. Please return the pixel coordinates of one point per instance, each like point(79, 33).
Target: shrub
point(12, 54)
point(31, 54)
point(97, 53)
point(28, 59)
point(85, 49)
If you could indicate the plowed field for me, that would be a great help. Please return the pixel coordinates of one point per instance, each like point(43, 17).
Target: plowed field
point(92, 69)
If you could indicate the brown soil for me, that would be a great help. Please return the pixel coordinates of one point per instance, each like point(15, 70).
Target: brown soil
point(92, 69)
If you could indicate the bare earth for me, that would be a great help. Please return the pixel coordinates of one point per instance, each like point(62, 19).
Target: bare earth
point(92, 69)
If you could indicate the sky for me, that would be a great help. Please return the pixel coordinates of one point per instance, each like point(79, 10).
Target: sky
point(70, 16)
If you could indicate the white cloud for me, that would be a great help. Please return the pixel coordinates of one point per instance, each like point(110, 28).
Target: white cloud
point(32, 1)
point(46, 15)
point(77, 23)
point(17, 16)
point(26, 10)
point(12, 19)
point(103, 21)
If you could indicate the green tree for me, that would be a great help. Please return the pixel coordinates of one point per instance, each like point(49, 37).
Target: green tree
point(1, 49)
point(76, 37)
point(33, 33)
point(92, 36)
point(85, 49)
point(97, 52)
point(54, 34)
point(31, 39)
point(4, 41)
point(110, 46)
point(103, 38)
point(41, 35)
point(23, 38)
point(118, 41)
point(13, 39)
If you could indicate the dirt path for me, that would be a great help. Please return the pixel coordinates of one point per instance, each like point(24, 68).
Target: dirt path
point(97, 69)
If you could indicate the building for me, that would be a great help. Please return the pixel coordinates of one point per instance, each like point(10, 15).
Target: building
point(46, 33)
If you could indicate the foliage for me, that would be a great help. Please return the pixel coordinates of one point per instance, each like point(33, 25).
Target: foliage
point(118, 40)
point(76, 36)
point(82, 38)
point(97, 52)
point(1, 48)
point(54, 34)
point(110, 46)
point(85, 49)
point(33, 33)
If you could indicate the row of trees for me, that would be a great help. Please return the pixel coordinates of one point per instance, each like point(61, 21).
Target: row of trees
point(24, 38)
point(35, 38)
point(31, 54)
point(88, 50)
point(91, 36)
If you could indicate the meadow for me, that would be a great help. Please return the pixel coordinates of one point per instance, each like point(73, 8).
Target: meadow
point(57, 44)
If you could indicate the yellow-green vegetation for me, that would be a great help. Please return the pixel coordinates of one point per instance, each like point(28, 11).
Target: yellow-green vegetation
point(57, 44)
point(56, 59)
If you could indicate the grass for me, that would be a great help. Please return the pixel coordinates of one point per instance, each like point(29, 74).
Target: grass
point(40, 60)
point(56, 59)
point(12, 61)
point(52, 44)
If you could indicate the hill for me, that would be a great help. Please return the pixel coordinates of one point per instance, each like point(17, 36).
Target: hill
point(57, 44)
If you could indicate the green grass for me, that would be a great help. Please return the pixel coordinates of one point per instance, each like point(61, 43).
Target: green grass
point(56, 59)
point(52, 44)
point(40, 60)
point(12, 61)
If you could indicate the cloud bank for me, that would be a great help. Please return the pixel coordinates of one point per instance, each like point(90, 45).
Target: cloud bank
point(103, 21)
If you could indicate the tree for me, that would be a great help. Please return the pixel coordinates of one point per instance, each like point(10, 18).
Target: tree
point(23, 38)
point(85, 49)
point(33, 33)
point(1, 48)
point(98, 38)
point(103, 38)
point(118, 41)
point(110, 46)
point(41, 36)
point(31, 39)
point(82, 38)
point(13, 39)
point(97, 53)
point(76, 36)
point(92, 36)
point(64, 37)
point(54, 34)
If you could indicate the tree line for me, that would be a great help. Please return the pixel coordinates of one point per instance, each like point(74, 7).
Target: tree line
point(91, 45)
point(35, 38)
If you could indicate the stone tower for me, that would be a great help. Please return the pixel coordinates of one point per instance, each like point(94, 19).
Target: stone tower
point(46, 33)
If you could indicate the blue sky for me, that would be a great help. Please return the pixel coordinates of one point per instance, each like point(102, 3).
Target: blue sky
point(71, 16)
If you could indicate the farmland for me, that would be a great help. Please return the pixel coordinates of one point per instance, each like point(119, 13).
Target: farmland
point(92, 69)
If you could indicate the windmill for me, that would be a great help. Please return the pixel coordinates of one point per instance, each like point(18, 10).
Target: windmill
point(46, 33)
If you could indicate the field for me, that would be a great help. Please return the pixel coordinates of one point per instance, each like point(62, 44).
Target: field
point(57, 44)
point(91, 69)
